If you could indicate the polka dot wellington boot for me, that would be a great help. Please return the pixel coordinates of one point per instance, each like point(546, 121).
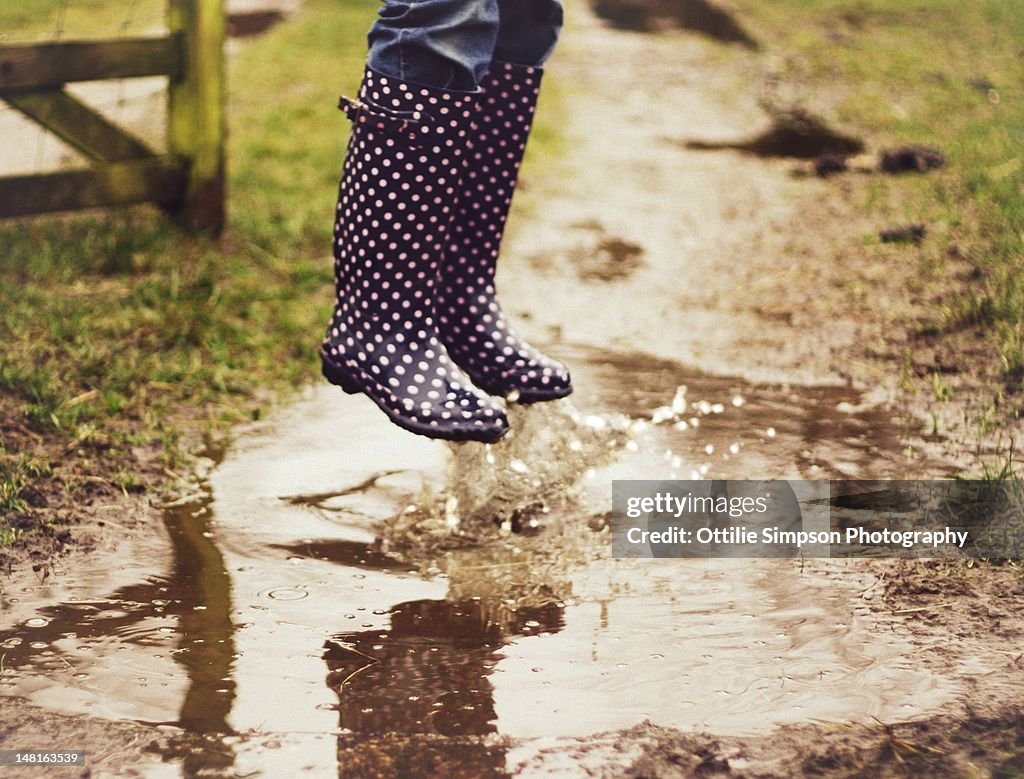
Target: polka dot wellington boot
point(397, 191)
point(470, 320)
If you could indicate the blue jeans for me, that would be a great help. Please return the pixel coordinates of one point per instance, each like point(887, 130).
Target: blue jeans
point(450, 43)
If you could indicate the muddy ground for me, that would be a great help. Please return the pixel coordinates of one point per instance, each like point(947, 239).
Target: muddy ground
point(645, 263)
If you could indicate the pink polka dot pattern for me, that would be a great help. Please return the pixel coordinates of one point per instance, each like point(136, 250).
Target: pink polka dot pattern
point(395, 202)
point(470, 320)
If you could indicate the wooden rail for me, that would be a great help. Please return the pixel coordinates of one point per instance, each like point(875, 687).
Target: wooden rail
point(188, 181)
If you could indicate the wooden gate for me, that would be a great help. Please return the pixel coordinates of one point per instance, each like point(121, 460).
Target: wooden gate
point(188, 181)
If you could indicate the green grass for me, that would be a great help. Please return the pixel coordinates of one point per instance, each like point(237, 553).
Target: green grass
point(948, 73)
point(36, 20)
point(120, 330)
point(17, 473)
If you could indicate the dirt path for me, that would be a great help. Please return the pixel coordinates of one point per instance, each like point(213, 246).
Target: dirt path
point(700, 250)
point(645, 265)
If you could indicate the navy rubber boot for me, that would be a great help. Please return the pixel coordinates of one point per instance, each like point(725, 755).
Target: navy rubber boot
point(395, 202)
point(470, 320)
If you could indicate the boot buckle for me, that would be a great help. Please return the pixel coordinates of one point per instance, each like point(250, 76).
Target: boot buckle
point(400, 123)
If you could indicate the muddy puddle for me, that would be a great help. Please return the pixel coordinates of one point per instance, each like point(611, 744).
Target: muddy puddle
point(286, 635)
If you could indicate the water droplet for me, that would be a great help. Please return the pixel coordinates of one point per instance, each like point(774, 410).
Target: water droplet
point(36, 622)
point(770, 432)
point(679, 400)
point(661, 414)
point(537, 670)
point(709, 449)
point(734, 448)
point(350, 616)
point(622, 665)
point(380, 611)
point(11, 643)
point(80, 675)
point(657, 656)
point(738, 400)
point(717, 408)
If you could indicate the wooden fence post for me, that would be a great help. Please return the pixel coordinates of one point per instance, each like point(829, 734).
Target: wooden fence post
point(196, 123)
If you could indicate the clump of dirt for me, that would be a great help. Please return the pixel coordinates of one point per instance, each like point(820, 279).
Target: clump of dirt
point(912, 233)
point(700, 16)
point(794, 133)
point(946, 746)
point(246, 24)
point(830, 164)
point(611, 259)
point(911, 159)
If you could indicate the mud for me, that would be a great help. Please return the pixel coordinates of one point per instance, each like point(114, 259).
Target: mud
point(245, 24)
point(793, 134)
point(911, 159)
point(701, 16)
point(289, 625)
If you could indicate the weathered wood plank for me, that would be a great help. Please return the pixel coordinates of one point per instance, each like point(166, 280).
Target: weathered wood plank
point(160, 180)
point(196, 126)
point(33, 65)
point(79, 126)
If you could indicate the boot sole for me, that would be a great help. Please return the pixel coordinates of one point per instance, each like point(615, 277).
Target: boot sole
point(340, 377)
point(525, 398)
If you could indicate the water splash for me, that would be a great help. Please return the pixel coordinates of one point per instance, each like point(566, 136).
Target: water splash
point(549, 449)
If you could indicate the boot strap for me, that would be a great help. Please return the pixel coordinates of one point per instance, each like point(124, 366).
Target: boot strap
point(400, 123)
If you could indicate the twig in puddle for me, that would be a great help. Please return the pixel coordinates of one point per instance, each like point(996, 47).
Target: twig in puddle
point(922, 608)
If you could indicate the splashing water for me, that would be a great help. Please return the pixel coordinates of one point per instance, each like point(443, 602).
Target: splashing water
point(549, 449)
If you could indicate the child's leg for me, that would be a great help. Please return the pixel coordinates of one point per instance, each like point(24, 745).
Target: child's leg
point(396, 198)
point(471, 322)
point(436, 43)
point(528, 31)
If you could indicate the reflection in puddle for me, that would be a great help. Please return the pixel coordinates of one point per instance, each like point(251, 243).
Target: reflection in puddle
point(430, 663)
